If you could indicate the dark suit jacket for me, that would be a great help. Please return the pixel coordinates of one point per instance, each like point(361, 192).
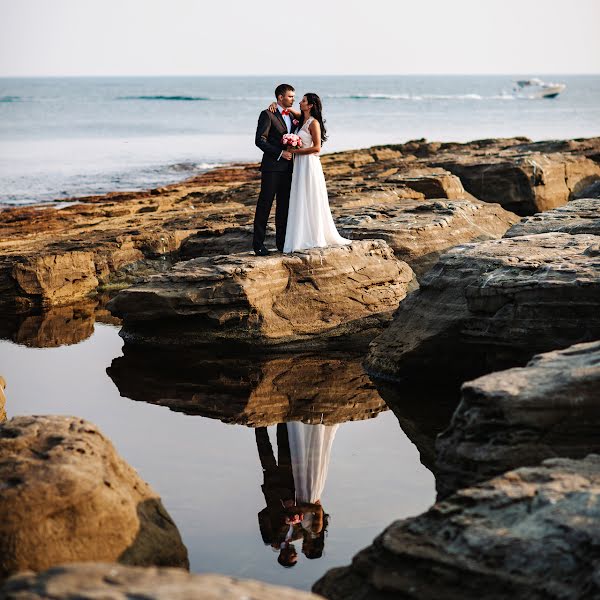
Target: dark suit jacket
point(271, 128)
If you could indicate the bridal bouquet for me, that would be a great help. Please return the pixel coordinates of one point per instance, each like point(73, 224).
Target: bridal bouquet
point(291, 140)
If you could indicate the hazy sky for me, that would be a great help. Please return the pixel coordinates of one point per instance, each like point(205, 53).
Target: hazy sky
point(189, 37)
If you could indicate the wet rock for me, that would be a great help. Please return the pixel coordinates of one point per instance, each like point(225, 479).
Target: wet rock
point(419, 231)
point(529, 534)
point(92, 581)
point(578, 216)
point(524, 183)
point(521, 416)
point(2, 400)
point(493, 305)
point(310, 296)
point(256, 391)
point(67, 496)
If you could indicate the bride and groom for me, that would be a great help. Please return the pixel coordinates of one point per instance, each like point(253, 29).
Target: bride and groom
point(294, 176)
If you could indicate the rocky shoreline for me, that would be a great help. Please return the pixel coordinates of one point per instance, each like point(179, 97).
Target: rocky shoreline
point(474, 264)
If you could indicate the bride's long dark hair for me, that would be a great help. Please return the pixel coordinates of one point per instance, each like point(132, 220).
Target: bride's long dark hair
point(317, 112)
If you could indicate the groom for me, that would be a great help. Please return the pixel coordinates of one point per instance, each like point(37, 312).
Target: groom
point(276, 170)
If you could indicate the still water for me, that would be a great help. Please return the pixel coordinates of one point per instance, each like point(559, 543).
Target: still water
point(208, 472)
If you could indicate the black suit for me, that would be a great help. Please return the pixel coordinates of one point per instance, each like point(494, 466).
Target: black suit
point(276, 178)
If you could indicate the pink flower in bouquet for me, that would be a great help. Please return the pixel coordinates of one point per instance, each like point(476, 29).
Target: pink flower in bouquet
point(291, 140)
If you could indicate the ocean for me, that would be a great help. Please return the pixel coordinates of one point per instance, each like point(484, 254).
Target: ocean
point(67, 137)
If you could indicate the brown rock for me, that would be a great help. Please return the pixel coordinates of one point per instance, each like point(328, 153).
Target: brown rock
point(91, 581)
point(524, 183)
point(494, 305)
point(578, 216)
point(419, 231)
point(530, 534)
point(310, 296)
point(69, 497)
point(522, 416)
point(256, 391)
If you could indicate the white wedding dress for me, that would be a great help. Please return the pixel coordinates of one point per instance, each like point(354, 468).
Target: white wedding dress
point(310, 224)
point(310, 450)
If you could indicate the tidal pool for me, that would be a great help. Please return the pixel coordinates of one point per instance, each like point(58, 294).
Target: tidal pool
point(188, 425)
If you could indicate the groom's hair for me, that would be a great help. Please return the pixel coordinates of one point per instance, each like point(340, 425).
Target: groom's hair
point(282, 89)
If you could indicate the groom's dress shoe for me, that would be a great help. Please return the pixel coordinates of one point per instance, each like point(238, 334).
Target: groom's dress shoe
point(262, 251)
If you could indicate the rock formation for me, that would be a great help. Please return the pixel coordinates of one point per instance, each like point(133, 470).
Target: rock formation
point(255, 390)
point(529, 534)
point(576, 217)
point(91, 581)
point(419, 231)
point(67, 496)
point(521, 416)
point(320, 293)
point(493, 305)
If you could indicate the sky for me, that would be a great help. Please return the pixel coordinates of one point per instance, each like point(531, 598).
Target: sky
point(324, 37)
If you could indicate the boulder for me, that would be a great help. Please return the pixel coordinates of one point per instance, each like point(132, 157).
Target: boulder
point(92, 581)
point(524, 183)
point(313, 296)
point(68, 496)
point(419, 231)
point(255, 390)
point(591, 191)
point(494, 305)
point(578, 216)
point(521, 416)
point(530, 534)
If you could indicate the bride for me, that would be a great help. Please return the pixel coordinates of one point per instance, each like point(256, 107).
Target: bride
point(310, 224)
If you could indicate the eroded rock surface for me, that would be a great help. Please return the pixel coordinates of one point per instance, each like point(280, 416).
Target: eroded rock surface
point(92, 581)
point(529, 534)
point(576, 217)
point(67, 496)
point(521, 416)
point(256, 391)
point(419, 231)
point(281, 299)
point(493, 305)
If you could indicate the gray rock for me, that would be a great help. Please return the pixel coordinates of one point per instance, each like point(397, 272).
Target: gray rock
point(494, 305)
point(92, 581)
point(576, 217)
point(522, 416)
point(529, 534)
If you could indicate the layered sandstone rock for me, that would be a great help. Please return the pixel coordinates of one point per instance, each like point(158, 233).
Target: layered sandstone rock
point(92, 581)
point(67, 496)
point(280, 299)
point(521, 416)
point(578, 216)
point(256, 391)
point(524, 183)
point(529, 534)
point(419, 231)
point(494, 305)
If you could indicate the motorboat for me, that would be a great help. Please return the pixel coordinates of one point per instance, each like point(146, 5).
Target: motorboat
point(536, 88)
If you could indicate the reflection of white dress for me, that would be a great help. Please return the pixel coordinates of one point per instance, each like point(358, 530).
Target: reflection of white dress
point(310, 449)
point(310, 224)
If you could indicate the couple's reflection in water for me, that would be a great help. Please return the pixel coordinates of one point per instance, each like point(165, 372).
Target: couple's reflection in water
point(292, 485)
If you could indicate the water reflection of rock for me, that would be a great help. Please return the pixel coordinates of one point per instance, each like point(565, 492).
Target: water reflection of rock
point(256, 391)
point(56, 326)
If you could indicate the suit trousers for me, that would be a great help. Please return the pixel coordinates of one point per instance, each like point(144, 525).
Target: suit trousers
point(273, 184)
